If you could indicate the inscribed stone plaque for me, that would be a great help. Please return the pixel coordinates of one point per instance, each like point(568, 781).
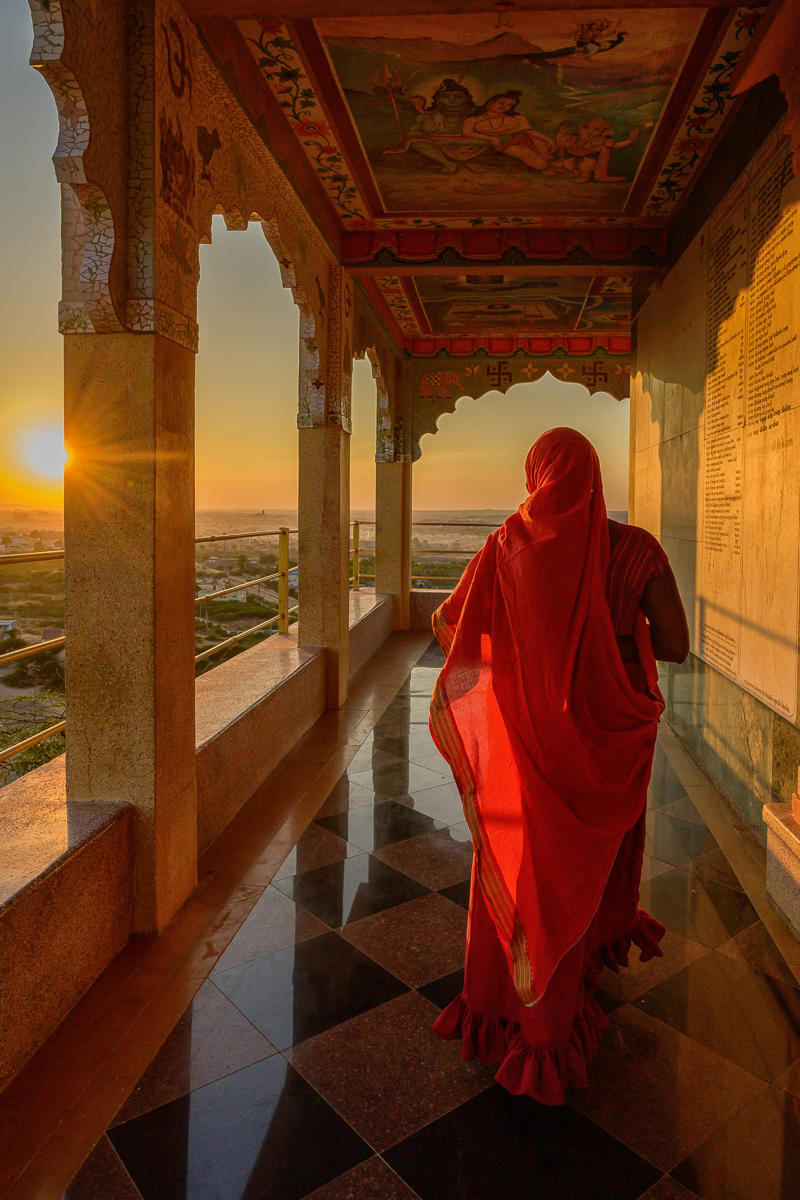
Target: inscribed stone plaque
point(750, 584)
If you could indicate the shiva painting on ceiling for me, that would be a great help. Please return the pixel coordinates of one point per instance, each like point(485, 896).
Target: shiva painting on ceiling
point(505, 304)
point(542, 110)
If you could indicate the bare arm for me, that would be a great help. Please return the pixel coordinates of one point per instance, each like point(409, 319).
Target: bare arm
point(662, 605)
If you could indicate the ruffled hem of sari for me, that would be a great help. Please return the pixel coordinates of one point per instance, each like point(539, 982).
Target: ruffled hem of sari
point(646, 933)
point(545, 1072)
point(542, 1072)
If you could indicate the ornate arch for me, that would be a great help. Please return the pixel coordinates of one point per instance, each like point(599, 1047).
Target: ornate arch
point(432, 388)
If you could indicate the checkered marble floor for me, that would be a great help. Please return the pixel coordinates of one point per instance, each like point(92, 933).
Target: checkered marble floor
point(306, 1066)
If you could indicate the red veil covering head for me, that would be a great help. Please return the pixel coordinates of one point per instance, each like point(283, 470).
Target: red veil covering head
point(549, 743)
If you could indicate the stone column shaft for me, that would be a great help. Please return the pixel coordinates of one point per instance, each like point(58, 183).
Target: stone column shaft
point(129, 582)
point(324, 542)
point(393, 536)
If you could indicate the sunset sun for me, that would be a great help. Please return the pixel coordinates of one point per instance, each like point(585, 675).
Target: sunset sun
point(44, 452)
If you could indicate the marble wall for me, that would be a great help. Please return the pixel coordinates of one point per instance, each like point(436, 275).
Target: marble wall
point(750, 750)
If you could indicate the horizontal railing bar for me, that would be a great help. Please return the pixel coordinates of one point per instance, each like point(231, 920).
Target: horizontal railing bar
point(8, 560)
point(46, 555)
point(33, 740)
point(442, 524)
point(230, 537)
point(237, 587)
point(437, 578)
point(237, 637)
point(426, 553)
point(29, 651)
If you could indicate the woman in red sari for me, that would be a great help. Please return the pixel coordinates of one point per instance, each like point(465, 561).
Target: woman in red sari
point(547, 709)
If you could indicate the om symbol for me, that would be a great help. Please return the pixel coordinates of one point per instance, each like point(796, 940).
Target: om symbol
point(178, 59)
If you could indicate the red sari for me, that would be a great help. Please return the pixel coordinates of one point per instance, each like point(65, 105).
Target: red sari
point(550, 738)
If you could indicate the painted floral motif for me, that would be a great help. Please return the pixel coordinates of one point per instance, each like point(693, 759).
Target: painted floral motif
point(439, 384)
point(703, 121)
point(177, 167)
point(394, 294)
point(281, 67)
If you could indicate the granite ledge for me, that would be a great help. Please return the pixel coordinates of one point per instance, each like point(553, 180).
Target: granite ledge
point(40, 828)
point(363, 602)
point(424, 602)
point(228, 691)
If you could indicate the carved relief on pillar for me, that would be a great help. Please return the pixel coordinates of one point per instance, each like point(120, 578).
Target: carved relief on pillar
point(163, 262)
point(311, 396)
point(393, 429)
point(371, 340)
point(338, 360)
point(152, 143)
point(430, 389)
point(384, 422)
point(93, 284)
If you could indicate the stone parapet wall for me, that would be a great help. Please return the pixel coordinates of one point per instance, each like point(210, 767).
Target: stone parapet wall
point(66, 904)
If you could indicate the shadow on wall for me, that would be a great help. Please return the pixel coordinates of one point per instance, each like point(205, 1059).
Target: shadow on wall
point(691, 404)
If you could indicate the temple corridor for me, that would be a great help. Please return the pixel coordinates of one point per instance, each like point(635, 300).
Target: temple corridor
point(304, 1063)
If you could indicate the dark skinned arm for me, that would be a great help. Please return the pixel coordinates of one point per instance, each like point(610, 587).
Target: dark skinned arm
point(662, 605)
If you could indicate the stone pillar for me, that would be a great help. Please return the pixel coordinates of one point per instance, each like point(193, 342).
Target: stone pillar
point(130, 179)
point(393, 536)
point(129, 582)
point(323, 508)
point(324, 540)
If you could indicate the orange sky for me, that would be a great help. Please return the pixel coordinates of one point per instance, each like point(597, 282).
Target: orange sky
point(247, 365)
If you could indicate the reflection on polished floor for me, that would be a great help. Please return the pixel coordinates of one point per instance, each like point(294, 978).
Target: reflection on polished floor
point(305, 1065)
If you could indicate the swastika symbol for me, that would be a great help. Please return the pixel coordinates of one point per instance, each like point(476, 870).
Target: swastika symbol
point(595, 372)
point(498, 373)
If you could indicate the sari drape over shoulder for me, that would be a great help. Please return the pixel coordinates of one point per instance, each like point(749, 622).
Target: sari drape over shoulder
point(549, 743)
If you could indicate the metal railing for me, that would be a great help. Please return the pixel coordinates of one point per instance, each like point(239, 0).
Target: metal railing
point(357, 576)
point(436, 551)
point(284, 614)
point(22, 652)
point(283, 617)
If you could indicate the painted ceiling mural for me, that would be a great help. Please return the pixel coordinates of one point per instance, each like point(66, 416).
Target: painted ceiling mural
point(497, 179)
point(505, 304)
point(505, 118)
point(550, 113)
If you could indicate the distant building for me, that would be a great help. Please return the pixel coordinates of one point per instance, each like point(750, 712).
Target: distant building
point(7, 626)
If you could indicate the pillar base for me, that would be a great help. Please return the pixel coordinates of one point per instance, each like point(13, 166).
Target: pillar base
point(783, 862)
